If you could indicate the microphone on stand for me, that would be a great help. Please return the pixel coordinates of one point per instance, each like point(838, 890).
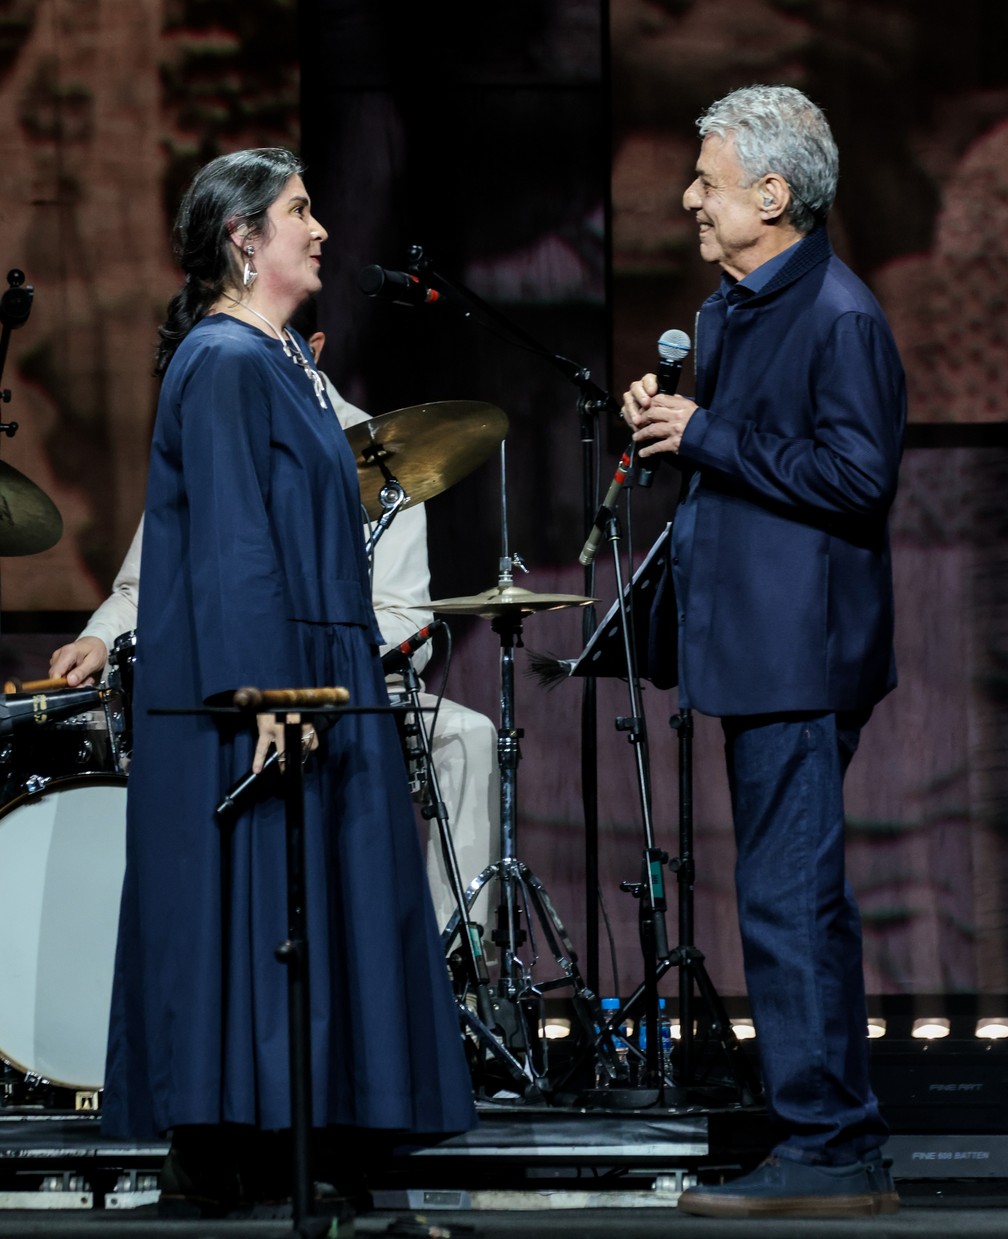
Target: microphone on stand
point(673, 349)
point(400, 287)
point(591, 546)
point(397, 657)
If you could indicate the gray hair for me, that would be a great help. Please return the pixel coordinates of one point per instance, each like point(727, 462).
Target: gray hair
point(779, 129)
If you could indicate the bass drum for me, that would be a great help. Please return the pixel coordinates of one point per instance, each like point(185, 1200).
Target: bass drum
point(62, 859)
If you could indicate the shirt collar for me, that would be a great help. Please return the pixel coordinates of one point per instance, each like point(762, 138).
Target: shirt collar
point(740, 290)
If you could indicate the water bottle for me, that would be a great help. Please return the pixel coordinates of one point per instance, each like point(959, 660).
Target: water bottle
point(619, 1041)
point(664, 1038)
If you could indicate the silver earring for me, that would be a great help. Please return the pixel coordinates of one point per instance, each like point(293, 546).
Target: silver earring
point(250, 273)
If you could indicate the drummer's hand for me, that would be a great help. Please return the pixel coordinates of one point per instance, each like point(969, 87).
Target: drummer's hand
point(271, 732)
point(79, 661)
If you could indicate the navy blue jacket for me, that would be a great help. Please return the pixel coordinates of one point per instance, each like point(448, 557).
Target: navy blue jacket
point(788, 599)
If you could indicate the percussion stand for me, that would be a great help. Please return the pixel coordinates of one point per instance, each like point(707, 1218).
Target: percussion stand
point(392, 498)
point(483, 1021)
point(519, 889)
point(592, 401)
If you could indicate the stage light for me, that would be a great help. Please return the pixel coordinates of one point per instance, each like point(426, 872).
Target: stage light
point(876, 1027)
point(744, 1030)
point(930, 1029)
point(554, 1029)
point(992, 1028)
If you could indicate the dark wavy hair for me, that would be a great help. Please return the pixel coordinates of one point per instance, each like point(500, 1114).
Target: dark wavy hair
point(232, 190)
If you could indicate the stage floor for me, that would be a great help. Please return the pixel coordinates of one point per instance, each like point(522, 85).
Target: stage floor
point(915, 1221)
point(526, 1170)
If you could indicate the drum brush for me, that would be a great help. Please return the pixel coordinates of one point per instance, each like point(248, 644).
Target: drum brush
point(21, 709)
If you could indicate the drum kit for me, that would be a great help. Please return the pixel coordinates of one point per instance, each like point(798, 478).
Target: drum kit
point(64, 754)
point(64, 762)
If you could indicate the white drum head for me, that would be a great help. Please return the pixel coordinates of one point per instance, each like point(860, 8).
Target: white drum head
point(62, 859)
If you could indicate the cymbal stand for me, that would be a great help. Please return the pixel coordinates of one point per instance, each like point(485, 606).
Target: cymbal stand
point(483, 1021)
point(392, 497)
point(593, 400)
point(520, 892)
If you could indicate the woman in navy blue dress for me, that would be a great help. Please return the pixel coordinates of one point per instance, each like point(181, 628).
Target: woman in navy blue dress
point(254, 572)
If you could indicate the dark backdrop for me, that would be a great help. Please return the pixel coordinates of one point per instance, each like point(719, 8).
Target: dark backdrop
point(496, 135)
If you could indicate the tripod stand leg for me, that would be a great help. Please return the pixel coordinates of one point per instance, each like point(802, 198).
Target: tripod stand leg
point(747, 1080)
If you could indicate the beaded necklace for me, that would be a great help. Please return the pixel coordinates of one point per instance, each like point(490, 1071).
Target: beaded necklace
point(297, 357)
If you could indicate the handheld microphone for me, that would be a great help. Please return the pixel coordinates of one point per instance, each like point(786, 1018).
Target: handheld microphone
point(591, 545)
point(265, 782)
point(251, 783)
point(397, 286)
point(236, 796)
point(397, 657)
point(673, 349)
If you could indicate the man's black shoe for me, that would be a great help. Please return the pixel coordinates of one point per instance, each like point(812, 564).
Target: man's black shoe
point(782, 1188)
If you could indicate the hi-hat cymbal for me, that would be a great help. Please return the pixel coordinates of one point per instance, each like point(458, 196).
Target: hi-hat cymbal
point(29, 520)
point(507, 600)
point(426, 447)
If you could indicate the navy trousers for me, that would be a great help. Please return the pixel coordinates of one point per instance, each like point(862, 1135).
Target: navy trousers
point(801, 933)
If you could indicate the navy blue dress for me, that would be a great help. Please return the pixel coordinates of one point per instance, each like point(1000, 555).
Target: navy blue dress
point(254, 573)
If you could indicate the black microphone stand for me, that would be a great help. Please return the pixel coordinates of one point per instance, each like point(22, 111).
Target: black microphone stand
point(483, 1022)
point(293, 952)
point(661, 1085)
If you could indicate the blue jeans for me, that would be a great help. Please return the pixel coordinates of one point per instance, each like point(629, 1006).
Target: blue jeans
point(801, 932)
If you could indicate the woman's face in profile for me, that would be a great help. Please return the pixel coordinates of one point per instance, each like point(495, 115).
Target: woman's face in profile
point(288, 253)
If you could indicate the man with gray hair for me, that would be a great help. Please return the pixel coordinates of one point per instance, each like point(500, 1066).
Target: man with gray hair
point(779, 585)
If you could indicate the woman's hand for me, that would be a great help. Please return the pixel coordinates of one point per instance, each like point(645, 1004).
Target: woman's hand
point(271, 733)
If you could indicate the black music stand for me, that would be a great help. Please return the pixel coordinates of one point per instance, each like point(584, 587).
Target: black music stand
point(293, 951)
point(605, 655)
point(324, 704)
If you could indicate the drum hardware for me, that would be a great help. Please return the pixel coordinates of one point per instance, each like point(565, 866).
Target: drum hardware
point(120, 722)
point(520, 892)
point(477, 1009)
point(52, 735)
point(411, 740)
point(592, 401)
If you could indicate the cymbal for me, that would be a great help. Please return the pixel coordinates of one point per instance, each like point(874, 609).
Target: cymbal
point(508, 600)
point(426, 447)
point(29, 520)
